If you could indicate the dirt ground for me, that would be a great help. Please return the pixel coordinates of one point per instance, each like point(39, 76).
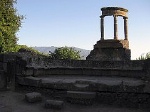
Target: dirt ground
point(14, 102)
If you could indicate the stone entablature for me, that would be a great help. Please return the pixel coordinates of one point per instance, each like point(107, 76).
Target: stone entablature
point(118, 11)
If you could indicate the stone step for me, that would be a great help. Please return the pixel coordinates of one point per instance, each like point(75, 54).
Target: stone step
point(79, 97)
point(136, 72)
point(107, 84)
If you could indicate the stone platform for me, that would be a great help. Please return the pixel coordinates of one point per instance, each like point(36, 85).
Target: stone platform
point(110, 50)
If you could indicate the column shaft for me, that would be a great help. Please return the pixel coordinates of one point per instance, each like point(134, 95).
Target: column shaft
point(102, 27)
point(126, 28)
point(115, 28)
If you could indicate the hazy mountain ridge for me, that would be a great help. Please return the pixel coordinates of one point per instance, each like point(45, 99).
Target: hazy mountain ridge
point(83, 52)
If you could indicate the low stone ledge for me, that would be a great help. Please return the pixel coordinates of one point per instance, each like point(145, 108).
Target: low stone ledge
point(54, 104)
point(78, 97)
point(33, 97)
point(30, 81)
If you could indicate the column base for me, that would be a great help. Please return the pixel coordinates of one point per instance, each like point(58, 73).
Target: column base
point(110, 50)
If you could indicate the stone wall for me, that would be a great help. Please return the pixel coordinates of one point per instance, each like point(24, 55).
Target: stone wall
point(10, 66)
point(48, 63)
point(2, 80)
point(140, 74)
point(40, 66)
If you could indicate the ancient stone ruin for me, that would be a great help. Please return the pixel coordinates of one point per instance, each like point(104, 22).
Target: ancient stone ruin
point(107, 76)
point(114, 49)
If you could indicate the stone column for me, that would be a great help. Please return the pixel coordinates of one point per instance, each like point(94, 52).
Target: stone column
point(115, 28)
point(102, 27)
point(126, 27)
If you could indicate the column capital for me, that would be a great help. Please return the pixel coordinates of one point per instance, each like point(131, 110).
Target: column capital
point(115, 16)
point(125, 18)
point(101, 16)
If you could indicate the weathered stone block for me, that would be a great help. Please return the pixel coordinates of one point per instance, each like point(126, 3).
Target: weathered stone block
point(32, 81)
point(38, 72)
point(86, 71)
point(2, 80)
point(78, 94)
point(81, 97)
point(54, 104)
point(110, 50)
point(73, 71)
point(29, 72)
point(33, 97)
point(56, 71)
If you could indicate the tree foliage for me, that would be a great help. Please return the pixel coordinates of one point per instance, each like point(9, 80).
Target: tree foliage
point(24, 48)
point(144, 56)
point(10, 22)
point(65, 53)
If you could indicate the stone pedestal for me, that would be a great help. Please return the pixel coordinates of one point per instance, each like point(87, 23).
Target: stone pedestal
point(110, 50)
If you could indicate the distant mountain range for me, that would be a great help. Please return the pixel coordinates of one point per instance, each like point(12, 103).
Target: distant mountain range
point(83, 53)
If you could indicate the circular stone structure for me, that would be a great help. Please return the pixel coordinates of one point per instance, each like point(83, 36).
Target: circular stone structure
point(115, 12)
point(112, 49)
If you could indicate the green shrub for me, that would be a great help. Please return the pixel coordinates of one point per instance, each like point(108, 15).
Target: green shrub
point(144, 56)
point(65, 53)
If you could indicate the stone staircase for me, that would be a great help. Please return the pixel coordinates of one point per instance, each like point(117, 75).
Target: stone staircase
point(114, 81)
point(84, 89)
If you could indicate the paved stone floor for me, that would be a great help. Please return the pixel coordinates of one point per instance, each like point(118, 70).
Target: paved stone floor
point(14, 102)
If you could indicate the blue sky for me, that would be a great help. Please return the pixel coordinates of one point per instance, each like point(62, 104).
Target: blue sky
point(77, 23)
